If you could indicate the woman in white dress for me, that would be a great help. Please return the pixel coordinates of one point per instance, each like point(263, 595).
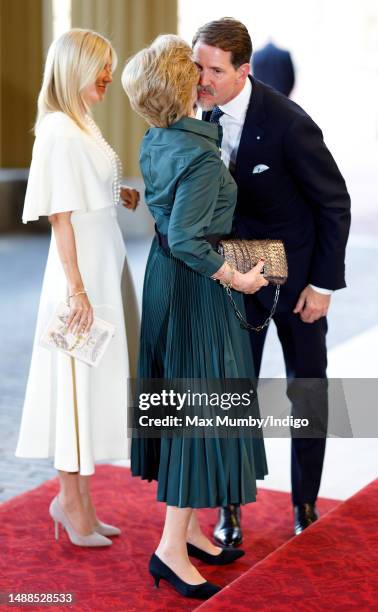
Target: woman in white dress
point(73, 412)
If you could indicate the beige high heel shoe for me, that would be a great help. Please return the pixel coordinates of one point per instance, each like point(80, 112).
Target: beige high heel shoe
point(59, 517)
point(107, 530)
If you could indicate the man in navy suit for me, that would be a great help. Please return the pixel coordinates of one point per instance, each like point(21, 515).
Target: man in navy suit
point(274, 67)
point(289, 187)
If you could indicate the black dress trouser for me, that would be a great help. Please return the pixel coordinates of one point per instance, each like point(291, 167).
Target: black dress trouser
point(305, 355)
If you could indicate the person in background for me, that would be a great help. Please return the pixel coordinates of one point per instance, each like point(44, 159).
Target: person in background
point(274, 66)
point(289, 188)
point(72, 412)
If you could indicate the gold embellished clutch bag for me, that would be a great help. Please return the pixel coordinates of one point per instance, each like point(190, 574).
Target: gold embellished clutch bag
point(242, 255)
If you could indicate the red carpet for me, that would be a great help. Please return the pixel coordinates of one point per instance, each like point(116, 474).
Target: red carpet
point(116, 578)
point(333, 565)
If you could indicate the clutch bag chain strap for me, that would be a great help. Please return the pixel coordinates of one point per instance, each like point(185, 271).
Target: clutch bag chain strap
point(244, 255)
point(243, 323)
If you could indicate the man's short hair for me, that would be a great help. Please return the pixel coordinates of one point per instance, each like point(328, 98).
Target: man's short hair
point(227, 34)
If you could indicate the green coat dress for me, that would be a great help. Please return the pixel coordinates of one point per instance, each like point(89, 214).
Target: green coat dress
point(189, 329)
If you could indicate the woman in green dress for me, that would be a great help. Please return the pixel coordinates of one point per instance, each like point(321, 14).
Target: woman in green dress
point(189, 330)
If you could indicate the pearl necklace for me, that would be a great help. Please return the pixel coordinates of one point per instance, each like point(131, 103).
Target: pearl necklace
point(110, 154)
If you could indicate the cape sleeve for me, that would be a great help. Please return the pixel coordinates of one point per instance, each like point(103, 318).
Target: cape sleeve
point(58, 178)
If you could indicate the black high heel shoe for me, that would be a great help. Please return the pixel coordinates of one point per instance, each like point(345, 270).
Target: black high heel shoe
point(160, 570)
point(228, 555)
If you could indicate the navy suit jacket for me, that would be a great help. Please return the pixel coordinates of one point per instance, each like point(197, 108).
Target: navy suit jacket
point(301, 199)
point(274, 67)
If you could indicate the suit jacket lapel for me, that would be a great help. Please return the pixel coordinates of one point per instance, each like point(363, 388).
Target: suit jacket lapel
point(252, 135)
point(253, 132)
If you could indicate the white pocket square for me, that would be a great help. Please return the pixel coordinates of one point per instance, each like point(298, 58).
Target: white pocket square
point(260, 168)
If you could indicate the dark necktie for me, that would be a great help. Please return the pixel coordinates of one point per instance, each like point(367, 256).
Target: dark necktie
point(216, 114)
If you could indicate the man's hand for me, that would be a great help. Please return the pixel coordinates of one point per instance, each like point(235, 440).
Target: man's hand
point(312, 305)
point(129, 197)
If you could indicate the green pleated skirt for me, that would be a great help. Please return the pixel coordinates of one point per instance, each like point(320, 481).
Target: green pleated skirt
point(189, 330)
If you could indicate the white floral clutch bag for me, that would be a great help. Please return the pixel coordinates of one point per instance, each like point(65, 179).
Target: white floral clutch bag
point(89, 348)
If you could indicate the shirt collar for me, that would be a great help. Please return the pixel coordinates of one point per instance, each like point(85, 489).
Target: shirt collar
point(237, 107)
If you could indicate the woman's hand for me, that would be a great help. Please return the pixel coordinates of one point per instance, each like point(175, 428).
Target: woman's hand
point(129, 197)
point(80, 318)
point(251, 281)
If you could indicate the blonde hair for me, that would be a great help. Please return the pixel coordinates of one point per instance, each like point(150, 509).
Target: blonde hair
point(73, 61)
point(159, 80)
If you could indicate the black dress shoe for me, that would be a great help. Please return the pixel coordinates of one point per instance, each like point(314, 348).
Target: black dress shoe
point(227, 531)
point(228, 555)
point(304, 516)
point(160, 570)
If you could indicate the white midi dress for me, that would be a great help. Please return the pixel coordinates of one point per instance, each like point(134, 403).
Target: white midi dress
point(73, 412)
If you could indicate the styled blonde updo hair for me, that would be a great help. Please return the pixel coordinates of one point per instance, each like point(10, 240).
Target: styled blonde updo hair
point(160, 80)
point(74, 60)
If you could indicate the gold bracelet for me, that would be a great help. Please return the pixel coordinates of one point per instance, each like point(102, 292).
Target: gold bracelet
point(228, 284)
point(83, 292)
point(220, 274)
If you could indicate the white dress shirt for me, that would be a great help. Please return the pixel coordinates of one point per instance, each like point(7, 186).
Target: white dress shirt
point(232, 123)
